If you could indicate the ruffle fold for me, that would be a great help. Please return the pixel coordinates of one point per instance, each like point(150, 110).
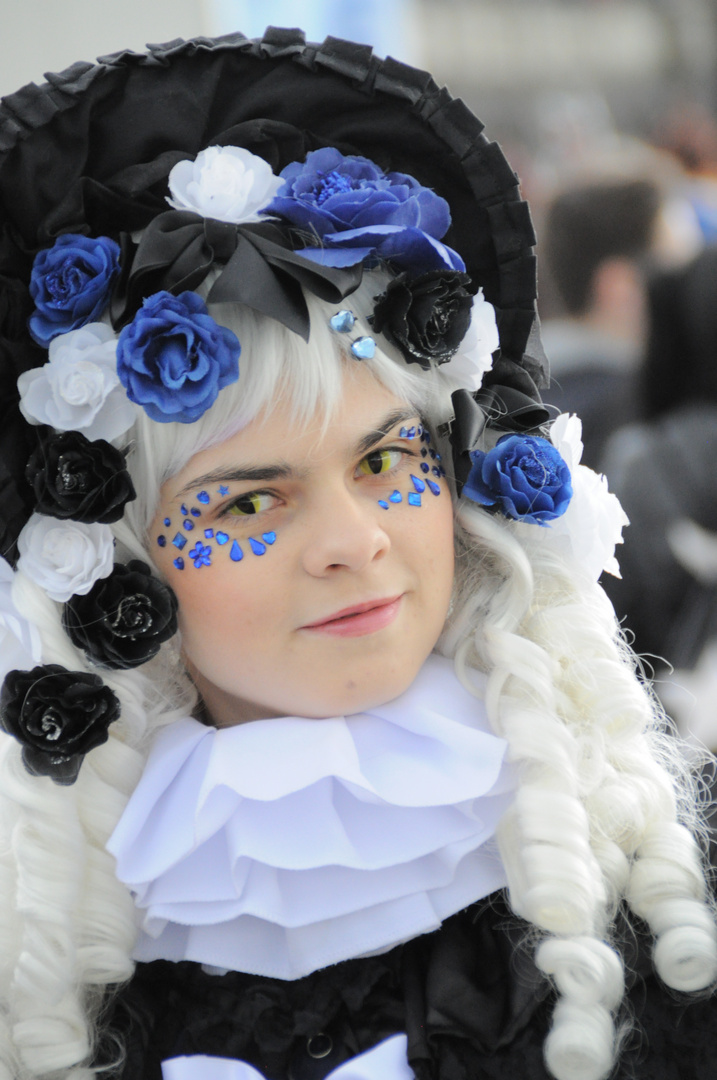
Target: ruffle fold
point(284, 845)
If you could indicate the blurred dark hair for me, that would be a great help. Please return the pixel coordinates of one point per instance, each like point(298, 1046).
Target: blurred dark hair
point(597, 221)
point(681, 358)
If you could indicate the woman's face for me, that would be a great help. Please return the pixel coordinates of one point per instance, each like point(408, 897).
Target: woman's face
point(309, 583)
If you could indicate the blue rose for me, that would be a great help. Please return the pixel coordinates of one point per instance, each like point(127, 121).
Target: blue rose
point(173, 358)
point(359, 212)
point(523, 476)
point(71, 284)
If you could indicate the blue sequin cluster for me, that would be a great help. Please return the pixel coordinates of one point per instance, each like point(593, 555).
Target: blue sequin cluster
point(201, 554)
point(413, 498)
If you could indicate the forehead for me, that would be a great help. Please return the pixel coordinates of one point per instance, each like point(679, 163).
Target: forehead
point(364, 406)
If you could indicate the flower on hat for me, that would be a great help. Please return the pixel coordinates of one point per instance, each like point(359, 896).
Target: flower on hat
point(474, 356)
point(65, 557)
point(359, 212)
point(71, 284)
point(78, 389)
point(226, 183)
point(425, 316)
point(173, 358)
point(523, 476)
point(58, 716)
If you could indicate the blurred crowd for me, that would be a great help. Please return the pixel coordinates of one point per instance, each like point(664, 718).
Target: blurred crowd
point(628, 273)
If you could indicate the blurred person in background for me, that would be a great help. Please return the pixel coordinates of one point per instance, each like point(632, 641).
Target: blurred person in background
point(601, 238)
point(662, 470)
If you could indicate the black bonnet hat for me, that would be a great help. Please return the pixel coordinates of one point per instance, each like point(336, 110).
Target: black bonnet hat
point(90, 151)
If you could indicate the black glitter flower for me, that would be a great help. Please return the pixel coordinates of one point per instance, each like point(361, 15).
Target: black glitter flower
point(427, 316)
point(78, 479)
point(124, 618)
point(58, 716)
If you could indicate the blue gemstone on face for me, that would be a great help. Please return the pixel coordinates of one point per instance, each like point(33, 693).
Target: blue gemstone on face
point(209, 533)
point(179, 562)
point(188, 524)
point(432, 453)
point(222, 537)
point(411, 433)
point(179, 541)
point(434, 487)
point(183, 510)
point(162, 541)
point(364, 348)
point(414, 499)
point(419, 430)
point(203, 497)
point(382, 503)
point(418, 483)
point(403, 433)
point(195, 513)
point(435, 471)
point(167, 523)
point(424, 467)
point(269, 537)
point(223, 489)
point(201, 555)
point(236, 554)
point(256, 546)
point(342, 321)
point(424, 453)
point(396, 497)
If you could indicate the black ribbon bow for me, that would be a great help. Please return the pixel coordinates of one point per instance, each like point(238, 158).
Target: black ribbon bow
point(259, 268)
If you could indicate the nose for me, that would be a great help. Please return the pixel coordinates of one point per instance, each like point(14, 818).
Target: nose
point(345, 533)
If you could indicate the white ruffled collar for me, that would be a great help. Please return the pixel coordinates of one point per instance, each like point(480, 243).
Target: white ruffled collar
point(280, 846)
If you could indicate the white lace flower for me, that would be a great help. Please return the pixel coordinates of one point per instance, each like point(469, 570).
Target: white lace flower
point(226, 183)
point(592, 525)
point(65, 558)
point(19, 639)
point(474, 357)
point(78, 389)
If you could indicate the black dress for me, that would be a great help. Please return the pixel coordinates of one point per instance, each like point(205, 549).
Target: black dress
point(468, 996)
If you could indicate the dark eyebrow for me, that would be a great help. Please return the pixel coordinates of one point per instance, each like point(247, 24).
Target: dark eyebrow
point(256, 473)
point(397, 416)
point(282, 470)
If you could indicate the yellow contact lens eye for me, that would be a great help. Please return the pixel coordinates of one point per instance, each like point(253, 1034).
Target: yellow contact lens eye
point(379, 461)
point(250, 504)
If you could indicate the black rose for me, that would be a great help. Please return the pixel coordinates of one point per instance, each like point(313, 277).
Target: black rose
point(427, 316)
point(58, 716)
point(124, 618)
point(75, 478)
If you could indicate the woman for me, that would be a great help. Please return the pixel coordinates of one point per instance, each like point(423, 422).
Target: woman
point(274, 842)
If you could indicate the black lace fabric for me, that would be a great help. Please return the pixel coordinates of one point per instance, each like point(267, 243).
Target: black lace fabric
point(468, 997)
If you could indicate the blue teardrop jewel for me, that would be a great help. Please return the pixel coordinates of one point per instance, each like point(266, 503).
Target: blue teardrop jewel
point(434, 487)
point(364, 348)
point(269, 537)
point(167, 523)
point(383, 504)
point(396, 497)
point(236, 554)
point(203, 497)
point(342, 321)
point(418, 483)
point(256, 546)
point(414, 499)
point(183, 510)
point(424, 467)
point(222, 538)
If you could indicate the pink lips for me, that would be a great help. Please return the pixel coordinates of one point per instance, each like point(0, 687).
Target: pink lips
point(359, 619)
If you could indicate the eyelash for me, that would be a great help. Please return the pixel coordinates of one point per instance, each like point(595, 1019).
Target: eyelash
point(254, 496)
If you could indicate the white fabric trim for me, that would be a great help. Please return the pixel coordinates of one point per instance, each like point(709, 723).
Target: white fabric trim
point(387, 1061)
point(280, 846)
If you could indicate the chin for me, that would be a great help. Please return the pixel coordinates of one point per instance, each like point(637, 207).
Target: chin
point(359, 695)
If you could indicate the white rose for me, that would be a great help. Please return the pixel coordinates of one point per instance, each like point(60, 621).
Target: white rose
point(593, 522)
point(65, 558)
point(19, 639)
point(474, 357)
point(225, 183)
point(78, 388)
